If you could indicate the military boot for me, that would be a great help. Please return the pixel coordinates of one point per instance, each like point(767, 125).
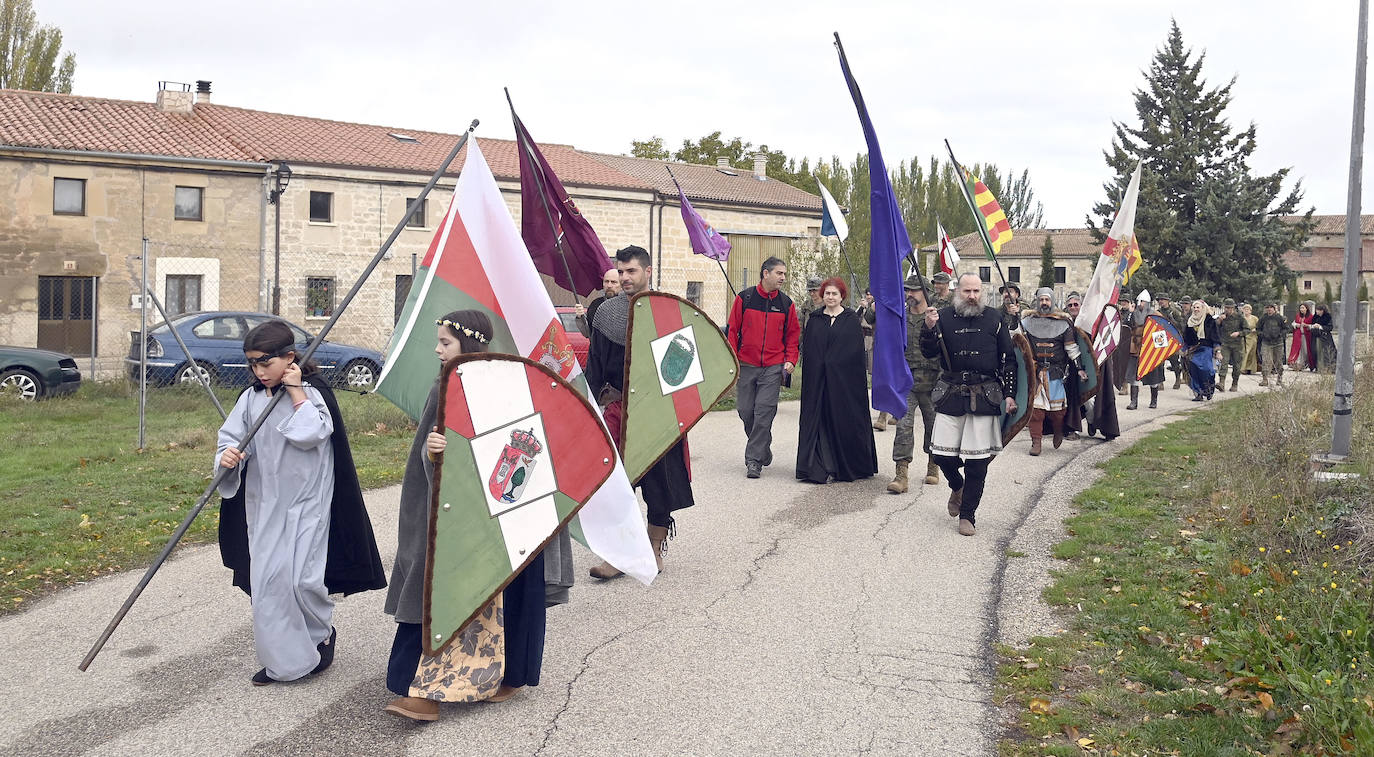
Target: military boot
point(932, 472)
point(1154, 397)
point(899, 485)
point(1235, 379)
point(881, 423)
point(1135, 397)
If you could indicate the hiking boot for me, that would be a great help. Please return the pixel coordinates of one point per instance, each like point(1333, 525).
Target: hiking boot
point(417, 709)
point(932, 473)
point(605, 571)
point(881, 423)
point(752, 469)
point(956, 497)
point(899, 483)
point(966, 527)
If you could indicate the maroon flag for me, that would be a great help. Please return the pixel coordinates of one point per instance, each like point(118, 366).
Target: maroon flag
point(549, 219)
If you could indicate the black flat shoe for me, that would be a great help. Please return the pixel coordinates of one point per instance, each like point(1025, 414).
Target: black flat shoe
point(261, 678)
point(326, 649)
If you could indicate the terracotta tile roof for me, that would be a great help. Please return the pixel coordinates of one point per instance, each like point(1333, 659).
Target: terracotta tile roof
point(1323, 260)
point(66, 122)
point(1026, 243)
point(1335, 224)
point(707, 183)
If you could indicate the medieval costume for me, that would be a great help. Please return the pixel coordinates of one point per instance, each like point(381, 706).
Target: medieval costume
point(1323, 340)
point(1301, 355)
point(504, 644)
point(1054, 342)
point(977, 357)
point(830, 445)
point(1155, 378)
point(293, 527)
point(667, 486)
point(1122, 371)
point(1200, 340)
point(1250, 362)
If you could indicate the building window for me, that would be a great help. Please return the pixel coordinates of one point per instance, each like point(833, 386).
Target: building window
point(183, 294)
point(403, 282)
point(1306, 284)
point(322, 207)
point(694, 292)
point(187, 203)
point(319, 297)
point(1061, 274)
point(417, 221)
point(985, 273)
point(1014, 273)
point(69, 197)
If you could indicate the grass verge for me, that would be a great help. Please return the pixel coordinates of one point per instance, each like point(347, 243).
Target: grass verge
point(79, 500)
point(1218, 602)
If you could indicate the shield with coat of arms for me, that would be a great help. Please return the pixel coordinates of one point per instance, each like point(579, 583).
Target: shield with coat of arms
point(525, 450)
point(678, 365)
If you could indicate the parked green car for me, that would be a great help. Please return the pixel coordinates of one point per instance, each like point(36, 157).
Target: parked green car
point(32, 374)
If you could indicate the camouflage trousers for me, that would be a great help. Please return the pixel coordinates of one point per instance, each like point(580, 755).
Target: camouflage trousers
point(905, 442)
point(1273, 357)
point(1229, 356)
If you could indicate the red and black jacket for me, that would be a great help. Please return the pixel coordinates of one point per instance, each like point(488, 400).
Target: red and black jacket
point(763, 328)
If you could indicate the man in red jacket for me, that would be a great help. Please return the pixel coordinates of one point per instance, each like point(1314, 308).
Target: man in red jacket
point(763, 332)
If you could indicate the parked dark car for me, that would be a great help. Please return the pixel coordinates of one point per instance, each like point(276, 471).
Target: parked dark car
point(215, 340)
point(32, 374)
point(580, 344)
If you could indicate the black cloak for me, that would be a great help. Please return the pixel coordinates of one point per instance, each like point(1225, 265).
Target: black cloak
point(353, 564)
point(1103, 418)
point(835, 437)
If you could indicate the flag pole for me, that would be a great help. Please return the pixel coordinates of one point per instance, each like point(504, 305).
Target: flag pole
point(520, 139)
point(978, 218)
point(729, 287)
point(853, 277)
point(223, 472)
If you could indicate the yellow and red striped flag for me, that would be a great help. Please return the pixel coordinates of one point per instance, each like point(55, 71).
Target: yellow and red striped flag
point(994, 220)
point(1157, 344)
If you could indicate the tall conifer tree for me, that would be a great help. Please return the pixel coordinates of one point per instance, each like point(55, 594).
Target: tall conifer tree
point(1206, 225)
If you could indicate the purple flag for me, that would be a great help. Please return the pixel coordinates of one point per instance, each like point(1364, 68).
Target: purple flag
point(705, 240)
point(542, 198)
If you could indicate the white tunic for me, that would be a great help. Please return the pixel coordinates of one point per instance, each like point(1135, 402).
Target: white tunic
point(287, 495)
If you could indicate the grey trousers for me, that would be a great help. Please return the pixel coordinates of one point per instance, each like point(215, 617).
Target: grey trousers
point(905, 442)
point(756, 401)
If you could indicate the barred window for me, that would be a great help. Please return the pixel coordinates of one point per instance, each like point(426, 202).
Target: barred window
point(985, 273)
point(1014, 273)
point(183, 294)
point(319, 297)
point(1061, 274)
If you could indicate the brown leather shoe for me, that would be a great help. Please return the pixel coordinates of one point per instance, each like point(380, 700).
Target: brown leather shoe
point(956, 497)
point(966, 527)
point(503, 693)
point(605, 571)
point(415, 708)
point(1035, 446)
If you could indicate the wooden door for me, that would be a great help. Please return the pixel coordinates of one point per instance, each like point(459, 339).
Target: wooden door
point(66, 312)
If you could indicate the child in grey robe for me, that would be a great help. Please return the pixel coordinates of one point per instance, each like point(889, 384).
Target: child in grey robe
point(287, 492)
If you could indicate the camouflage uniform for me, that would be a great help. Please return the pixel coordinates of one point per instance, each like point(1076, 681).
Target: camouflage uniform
point(1272, 329)
point(924, 371)
point(1232, 347)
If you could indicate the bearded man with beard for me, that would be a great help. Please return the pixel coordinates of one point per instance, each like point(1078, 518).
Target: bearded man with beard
point(977, 381)
point(1055, 345)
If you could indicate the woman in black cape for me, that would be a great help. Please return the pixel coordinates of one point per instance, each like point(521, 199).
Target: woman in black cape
point(834, 443)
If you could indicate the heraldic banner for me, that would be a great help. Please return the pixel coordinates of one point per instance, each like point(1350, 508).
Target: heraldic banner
point(477, 260)
point(525, 451)
point(678, 366)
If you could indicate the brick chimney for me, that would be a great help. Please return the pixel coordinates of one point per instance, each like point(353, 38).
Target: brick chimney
point(761, 166)
point(174, 97)
point(722, 162)
point(202, 91)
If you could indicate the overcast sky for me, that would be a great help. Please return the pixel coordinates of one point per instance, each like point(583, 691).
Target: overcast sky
point(1023, 84)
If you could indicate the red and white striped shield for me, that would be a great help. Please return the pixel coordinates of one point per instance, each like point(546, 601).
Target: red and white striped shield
point(1106, 333)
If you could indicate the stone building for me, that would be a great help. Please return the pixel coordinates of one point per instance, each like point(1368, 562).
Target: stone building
point(93, 178)
point(1322, 260)
point(1075, 257)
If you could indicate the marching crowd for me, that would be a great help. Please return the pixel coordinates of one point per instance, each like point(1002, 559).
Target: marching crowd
point(294, 529)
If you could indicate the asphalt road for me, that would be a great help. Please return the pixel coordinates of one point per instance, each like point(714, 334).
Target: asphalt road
point(792, 618)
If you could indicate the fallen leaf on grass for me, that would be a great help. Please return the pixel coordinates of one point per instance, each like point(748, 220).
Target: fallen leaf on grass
point(1070, 731)
point(1041, 706)
point(1204, 707)
point(1085, 743)
point(1266, 700)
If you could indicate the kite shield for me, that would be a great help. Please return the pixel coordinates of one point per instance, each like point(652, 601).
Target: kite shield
point(1012, 423)
point(677, 366)
point(525, 451)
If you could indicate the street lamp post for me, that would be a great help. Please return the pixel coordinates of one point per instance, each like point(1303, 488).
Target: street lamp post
point(283, 177)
